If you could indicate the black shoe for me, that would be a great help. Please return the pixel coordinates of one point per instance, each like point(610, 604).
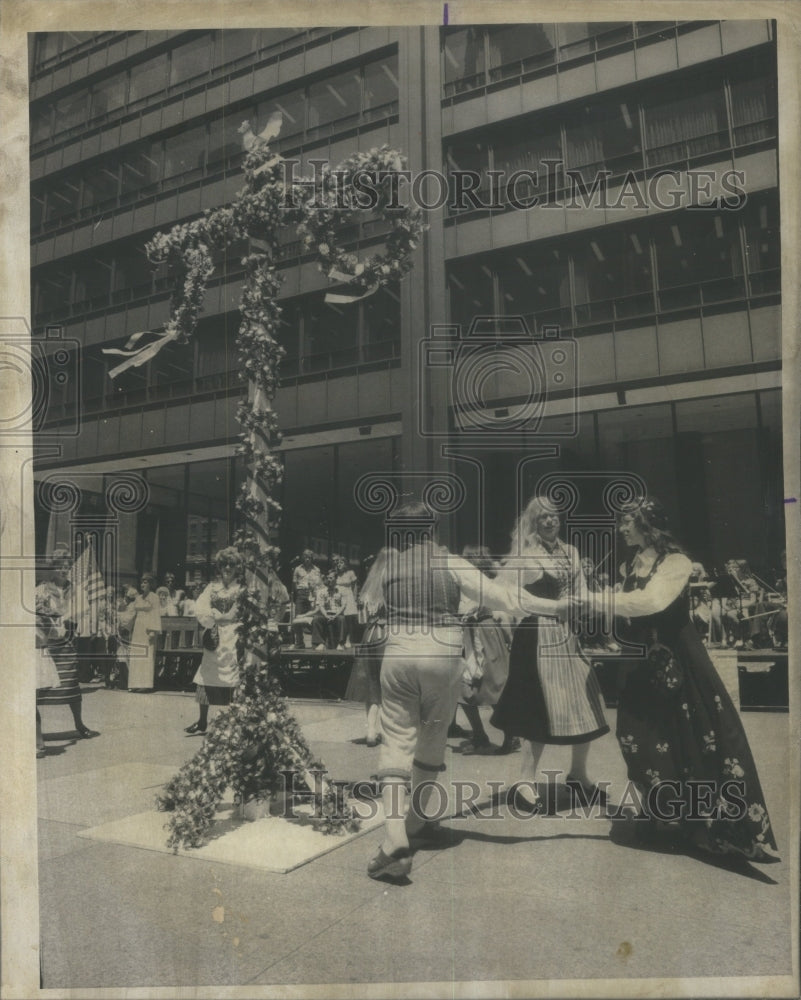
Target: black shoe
point(523, 804)
point(195, 728)
point(391, 867)
point(586, 793)
point(86, 734)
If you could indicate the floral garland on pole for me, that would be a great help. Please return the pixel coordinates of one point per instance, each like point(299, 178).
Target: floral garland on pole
point(252, 745)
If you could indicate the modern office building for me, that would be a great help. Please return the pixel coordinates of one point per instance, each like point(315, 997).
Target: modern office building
point(665, 289)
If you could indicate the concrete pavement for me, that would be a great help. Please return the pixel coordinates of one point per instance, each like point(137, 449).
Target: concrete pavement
point(542, 898)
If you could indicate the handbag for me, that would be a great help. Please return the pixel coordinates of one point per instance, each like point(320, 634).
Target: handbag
point(210, 639)
point(664, 672)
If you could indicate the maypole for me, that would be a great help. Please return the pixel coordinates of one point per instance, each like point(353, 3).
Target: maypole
point(253, 744)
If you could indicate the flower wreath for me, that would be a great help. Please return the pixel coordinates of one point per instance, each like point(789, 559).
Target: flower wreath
point(338, 199)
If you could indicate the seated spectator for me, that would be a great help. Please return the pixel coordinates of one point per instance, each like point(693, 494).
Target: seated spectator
point(166, 604)
point(329, 619)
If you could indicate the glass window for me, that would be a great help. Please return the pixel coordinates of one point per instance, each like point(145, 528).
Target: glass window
point(40, 123)
point(580, 37)
point(62, 199)
point(472, 155)
point(109, 94)
point(149, 77)
point(70, 110)
point(763, 244)
point(753, 108)
point(307, 500)
point(331, 335)
point(141, 167)
point(37, 212)
point(48, 45)
point(518, 48)
point(184, 152)
point(190, 60)
point(612, 275)
point(275, 36)
point(225, 141)
point(606, 137)
point(216, 348)
point(132, 270)
point(470, 286)
point(512, 152)
point(53, 290)
point(686, 126)
point(535, 283)
point(292, 106)
point(100, 184)
point(232, 45)
point(336, 98)
point(698, 246)
point(289, 333)
point(92, 281)
point(381, 82)
point(357, 533)
point(382, 324)
point(464, 56)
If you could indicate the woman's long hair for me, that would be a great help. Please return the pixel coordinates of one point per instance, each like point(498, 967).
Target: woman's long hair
point(526, 524)
point(650, 519)
point(372, 593)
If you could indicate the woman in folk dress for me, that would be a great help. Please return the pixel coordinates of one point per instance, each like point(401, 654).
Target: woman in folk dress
point(217, 611)
point(552, 695)
point(144, 636)
point(676, 724)
point(57, 665)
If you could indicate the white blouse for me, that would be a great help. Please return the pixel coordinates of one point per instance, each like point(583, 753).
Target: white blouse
point(670, 578)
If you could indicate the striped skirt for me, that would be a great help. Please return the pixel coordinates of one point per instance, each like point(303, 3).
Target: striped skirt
point(68, 691)
point(552, 694)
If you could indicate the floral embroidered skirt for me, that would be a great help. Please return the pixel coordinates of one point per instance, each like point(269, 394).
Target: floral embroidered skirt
point(688, 733)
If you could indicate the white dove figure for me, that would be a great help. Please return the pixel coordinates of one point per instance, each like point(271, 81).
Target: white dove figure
point(273, 126)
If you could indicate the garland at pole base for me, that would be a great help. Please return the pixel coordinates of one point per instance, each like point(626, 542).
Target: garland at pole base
point(252, 744)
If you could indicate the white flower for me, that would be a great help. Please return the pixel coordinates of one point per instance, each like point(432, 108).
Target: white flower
point(662, 747)
point(756, 812)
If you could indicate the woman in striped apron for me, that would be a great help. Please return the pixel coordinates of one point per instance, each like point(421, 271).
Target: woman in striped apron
point(552, 695)
point(54, 628)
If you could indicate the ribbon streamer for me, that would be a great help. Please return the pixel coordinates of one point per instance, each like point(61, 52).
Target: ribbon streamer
point(340, 298)
point(134, 357)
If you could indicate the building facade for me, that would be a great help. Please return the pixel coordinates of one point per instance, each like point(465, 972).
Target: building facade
point(615, 184)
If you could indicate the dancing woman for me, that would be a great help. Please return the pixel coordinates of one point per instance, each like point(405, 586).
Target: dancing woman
point(676, 722)
point(56, 648)
point(365, 679)
point(552, 695)
point(216, 610)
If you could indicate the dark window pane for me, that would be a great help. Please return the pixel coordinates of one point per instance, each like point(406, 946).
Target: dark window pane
point(331, 334)
point(612, 276)
point(382, 324)
point(109, 94)
point(232, 45)
point(132, 270)
point(763, 244)
point(581, 37)
point(148, 78)
point(686, 126)
point(190, 60)
point(604, 138)
point(697, 247)
point(293, 108)
point(224, 138)
point(517, 48)
point(471, 294)
point(48, 45)
point(40, 123)
point(92, 280)
point(535, 284)
point(100, 184)
point(381, 82)
point(289, 330)
point(753, 106)
point(141, 167)
point(274, 36)
point(338, 97)
point(53, 289)
point(464, 53)
point(184, 152)
point(528, 151)
point(70, 110)
point(62, 199)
